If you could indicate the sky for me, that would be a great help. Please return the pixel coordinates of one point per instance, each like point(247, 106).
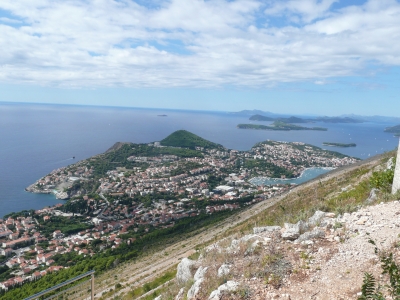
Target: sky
point(326, 57)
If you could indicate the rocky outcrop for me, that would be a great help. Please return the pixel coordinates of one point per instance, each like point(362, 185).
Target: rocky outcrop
point(184, 272)
point(198, 280)
point(230, 286)
point(257, 230)
point(316, 218)
point(372, 196)
point(224, 270)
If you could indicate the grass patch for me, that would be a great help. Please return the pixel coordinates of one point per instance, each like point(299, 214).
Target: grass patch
point(147, 287)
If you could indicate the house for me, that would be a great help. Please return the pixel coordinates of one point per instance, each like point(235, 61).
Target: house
point(57, 234)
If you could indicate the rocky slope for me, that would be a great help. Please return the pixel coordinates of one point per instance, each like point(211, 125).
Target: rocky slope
point(321, 257)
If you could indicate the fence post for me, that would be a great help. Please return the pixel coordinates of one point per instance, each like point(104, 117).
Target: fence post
point(92, 289)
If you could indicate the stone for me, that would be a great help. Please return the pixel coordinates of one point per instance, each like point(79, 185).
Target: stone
point(180, 294)
point(291, 232)
point(184, 272)
point(310, 235)
point(195, 289)
point(362, 221)
point(200, 273)
point(372, 196)
point(330, 215)
point(390, 163)
point(316, 218)
point(257, 230)
point(224, 270)
point(230, 286)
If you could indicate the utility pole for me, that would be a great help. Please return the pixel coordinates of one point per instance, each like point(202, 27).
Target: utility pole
point(396, 178)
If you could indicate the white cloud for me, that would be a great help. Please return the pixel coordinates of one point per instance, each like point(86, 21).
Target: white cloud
point(308, 10)
point(193, 42)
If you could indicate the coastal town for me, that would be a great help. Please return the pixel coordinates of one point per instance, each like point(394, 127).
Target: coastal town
point(154, 188)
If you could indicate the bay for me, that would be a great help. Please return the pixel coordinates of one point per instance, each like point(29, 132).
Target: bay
point(307, 175)
point(37, 138)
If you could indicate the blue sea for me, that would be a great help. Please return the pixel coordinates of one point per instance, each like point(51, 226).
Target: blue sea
point(37, 138)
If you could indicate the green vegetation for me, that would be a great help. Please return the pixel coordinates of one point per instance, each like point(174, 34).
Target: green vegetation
point(261, 165)
point(393, 129)
point(339, 144)
point(279, 125)
point(383, 180)
point(261, 118)
point(118, 155)
point(186, 139)
point(370, 290)
point(67, 225)
point(139, 291)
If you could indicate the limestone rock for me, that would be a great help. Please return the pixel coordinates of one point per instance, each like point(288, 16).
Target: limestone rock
point(224, 270)
point(184, 272)
point(200, 273)
point(230, 286)
point(180, 294)
point(330, 215)
point(293, 231)
point(316, 218)
point(314, 234)
point(195, 289)
point(372, 196)
point(257, 230)
point(390, 163)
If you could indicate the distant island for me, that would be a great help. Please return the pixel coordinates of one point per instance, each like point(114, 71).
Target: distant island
point(285, 120)
point(339, 144)
point(393, 129)
point(279, 125)
point(292, 119)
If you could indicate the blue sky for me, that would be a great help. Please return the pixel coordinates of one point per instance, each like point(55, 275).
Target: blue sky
point(326, 57)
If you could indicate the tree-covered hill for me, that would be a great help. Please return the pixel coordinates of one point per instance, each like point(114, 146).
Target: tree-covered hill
point(186, 139)
point(393, 129)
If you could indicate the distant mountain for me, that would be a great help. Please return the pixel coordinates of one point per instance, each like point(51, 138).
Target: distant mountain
point(345, 118)
point(261, 118)
point(338, 120)
point(292, 119)
point(374, 118)
point(255, 112)
point(186, 139)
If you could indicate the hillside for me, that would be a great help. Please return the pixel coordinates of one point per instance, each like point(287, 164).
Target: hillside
point(294, 250)
point(393, 129)
point(311, 264)
point(318, 263)
point(186, 139)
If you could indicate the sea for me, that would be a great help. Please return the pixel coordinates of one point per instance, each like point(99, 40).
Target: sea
point(38, 138)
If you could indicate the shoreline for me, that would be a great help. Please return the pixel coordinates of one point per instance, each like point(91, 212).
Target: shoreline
point(295, 178)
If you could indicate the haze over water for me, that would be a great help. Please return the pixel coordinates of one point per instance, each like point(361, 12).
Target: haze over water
point(35, 139)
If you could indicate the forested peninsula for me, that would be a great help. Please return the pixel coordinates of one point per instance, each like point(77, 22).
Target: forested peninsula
point(279, 125)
